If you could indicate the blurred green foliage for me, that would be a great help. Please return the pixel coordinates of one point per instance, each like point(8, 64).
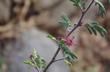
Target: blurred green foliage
point(1, 63)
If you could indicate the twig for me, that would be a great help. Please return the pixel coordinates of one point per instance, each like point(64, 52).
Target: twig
point(77, 25)
point(37, 69)
point(59, 59)
point(52, 60)
point(35, 63)
point(81, 18)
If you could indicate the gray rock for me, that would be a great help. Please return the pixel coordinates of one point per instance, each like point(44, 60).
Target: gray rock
point(45, 47)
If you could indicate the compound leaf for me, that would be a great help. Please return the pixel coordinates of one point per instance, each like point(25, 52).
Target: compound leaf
point(95, 28)
point(102, 9)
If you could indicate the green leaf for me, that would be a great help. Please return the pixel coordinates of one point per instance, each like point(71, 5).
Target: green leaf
point(79, 3)
point(95, 28)
point(75, 2)
point(109, 1)
point(82, 4)
point(51, 37)
point(69, 56)
point(89, 28)
point(102, 9)
point(65, 22)
point(1, 61)
point(100, 29)
point(36, 61)
point(29, 63)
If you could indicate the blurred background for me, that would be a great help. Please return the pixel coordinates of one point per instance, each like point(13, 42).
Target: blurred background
point(24, 25)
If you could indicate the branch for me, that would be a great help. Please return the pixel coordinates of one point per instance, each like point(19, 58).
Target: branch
point(35, 63)
point(37, 69)
point(59, 59)
point(52, 60)
point(81, 18)
point(77, 25)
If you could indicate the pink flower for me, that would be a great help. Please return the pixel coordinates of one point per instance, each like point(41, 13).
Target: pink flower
point(69, 41)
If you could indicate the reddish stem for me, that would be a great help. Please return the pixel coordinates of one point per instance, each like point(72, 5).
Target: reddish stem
point(77, 25)
point(81, 18)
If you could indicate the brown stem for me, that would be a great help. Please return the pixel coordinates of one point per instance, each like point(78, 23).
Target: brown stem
point(59, 59)
point(37, 69)
point(81, 18)
point(52, 60)
point(77, 25)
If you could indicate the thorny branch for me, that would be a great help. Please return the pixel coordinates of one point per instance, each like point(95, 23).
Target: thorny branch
point(81, 18)
point(77, 25)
